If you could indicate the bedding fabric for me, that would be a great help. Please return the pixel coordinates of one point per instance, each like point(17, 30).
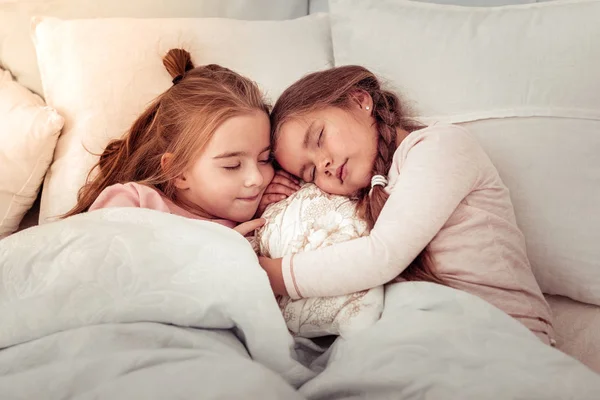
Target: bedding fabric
point(133, 303)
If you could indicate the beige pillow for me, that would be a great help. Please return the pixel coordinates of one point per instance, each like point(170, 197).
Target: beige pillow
point(100, 74)
point(17, 53)
point(28, 134)
point(308, 220)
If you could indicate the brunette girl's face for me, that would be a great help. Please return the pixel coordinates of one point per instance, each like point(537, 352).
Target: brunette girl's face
point(229, 178)
point(333, 147)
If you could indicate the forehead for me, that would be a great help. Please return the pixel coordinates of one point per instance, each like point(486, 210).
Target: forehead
point(292, 132)
point(245, 132)
point(289, 147)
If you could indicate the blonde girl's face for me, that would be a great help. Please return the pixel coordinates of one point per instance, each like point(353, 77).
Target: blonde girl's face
point(229, 178)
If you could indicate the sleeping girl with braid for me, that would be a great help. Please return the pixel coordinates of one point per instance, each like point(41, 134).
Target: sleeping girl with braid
point(436, 205)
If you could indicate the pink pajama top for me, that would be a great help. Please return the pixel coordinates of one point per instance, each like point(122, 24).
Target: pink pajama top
point(133, 194)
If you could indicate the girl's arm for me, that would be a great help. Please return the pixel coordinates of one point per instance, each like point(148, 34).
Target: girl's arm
point(439, 168)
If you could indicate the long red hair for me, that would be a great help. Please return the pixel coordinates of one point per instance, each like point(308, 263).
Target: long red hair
point(334, 88)
point(180, 121)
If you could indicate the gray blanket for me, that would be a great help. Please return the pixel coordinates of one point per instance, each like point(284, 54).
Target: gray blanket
point(135, 304)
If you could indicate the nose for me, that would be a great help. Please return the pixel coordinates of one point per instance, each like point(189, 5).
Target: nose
point(324, 166)
point(253, 177)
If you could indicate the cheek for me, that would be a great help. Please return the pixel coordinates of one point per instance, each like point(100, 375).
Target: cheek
point(212, 180)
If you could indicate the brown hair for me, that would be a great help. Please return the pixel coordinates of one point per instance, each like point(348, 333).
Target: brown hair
point(334, 88)
point(181, 121)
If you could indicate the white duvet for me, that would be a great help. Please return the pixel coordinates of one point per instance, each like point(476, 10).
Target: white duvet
point(136, 304)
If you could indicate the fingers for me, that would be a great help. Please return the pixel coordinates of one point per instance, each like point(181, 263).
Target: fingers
point(278, 180)
point(246, 227)
point(277, 188)
point(285, 179)
point(287, 175)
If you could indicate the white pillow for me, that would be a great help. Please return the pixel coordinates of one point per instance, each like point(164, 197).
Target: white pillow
point(17, 53)
point(537, 61)
point(465, 63)
point(552, 168)
point(100, 74)
point(28, 134)
point(307, 220)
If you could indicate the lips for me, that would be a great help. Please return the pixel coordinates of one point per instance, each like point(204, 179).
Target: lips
point(341, 171)
point(250, 198)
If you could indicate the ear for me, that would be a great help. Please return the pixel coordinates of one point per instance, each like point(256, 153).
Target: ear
point(165, 163)
point(362, 100)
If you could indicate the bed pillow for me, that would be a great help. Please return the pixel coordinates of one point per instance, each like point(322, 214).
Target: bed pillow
point(100, 74)
point(18, 54)
point(308, 220)
point(460, 64)
point(28, 134)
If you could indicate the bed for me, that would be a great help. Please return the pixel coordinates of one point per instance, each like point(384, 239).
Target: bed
point(121, 319)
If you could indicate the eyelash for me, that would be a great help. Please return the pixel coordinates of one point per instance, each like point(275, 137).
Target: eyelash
point(269, 160)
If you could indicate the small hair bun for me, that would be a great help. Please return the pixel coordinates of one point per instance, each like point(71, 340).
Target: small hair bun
point(178, 62)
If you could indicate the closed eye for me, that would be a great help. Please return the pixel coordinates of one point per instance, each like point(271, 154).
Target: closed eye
point(320, 137)
point(268, 160)
point(233, 167)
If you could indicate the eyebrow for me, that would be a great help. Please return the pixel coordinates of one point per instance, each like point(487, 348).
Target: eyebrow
point(238, 153)
point(305, 145)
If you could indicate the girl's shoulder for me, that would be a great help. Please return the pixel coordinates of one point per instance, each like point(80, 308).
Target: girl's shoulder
point(441, 147)
point(134, 189)
point(439, 139)
point(445, 131)
point(130, 194)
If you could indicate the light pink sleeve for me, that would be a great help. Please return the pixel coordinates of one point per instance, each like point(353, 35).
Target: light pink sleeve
point(439, 168)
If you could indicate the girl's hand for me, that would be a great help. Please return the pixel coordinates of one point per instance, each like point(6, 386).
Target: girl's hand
point(249, 226)
point(272, 267)
point(282, 186)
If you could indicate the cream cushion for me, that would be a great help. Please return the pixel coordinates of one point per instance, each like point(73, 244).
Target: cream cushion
point(28, 134)
point(100, 74)
point(525, 79)
point(17, 53)
point(307, 220)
